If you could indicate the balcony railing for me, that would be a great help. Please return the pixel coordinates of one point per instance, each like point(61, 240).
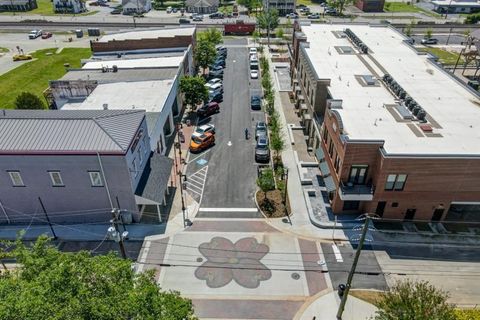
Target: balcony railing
point(356, 192)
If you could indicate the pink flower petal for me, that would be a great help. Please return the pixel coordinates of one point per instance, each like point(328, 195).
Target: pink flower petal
point(249, 248)
point(215, 275)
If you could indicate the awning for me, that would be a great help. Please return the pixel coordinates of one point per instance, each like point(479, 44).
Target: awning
point(324, 168)
point(319, 154)
point(154, 181)
point(329, 184)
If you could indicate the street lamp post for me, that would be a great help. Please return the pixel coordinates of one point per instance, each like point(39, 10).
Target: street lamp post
point(285, 175)
point(181, 176)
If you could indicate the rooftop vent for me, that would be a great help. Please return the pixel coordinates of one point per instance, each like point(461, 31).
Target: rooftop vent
point(114, 68)
point(105, 106)
point(426, 128)
point(369, 80)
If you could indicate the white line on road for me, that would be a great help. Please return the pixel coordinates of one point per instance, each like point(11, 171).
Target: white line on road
point(195, 180)
point(190, 185)
point(201, 155)
point(337, 253)
point(228, 209)
point(191, 190)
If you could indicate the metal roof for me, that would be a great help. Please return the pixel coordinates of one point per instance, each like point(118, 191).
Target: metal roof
point(122, 75)
point(77, 131)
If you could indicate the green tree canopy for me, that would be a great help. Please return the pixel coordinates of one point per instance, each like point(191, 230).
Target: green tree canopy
point(205, 53)
point(28, 101)
point(193, 87)
point(409, 300)
point(265, 182)
point(277, 143)
point(211, 35)
point(50, 284)
point(339, 4)
point(268, 20)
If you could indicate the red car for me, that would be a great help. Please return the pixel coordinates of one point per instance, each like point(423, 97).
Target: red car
point(46, 35)
point(208, 109)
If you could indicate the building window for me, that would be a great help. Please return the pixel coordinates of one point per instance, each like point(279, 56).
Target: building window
point(337, 163)
point(358, 174)
point(325, 134)
point(16, 178)
point(330, 148)
point(350, 205)
point(394, 204)
point(140, 153)
point(56, 178)
point(134, 166)
point(395, 182)
point(96, 178)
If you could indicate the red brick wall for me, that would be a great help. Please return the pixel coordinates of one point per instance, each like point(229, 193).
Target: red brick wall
point(159, 43)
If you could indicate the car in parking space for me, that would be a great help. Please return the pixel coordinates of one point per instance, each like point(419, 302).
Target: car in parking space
point(208, 109)
point(256, 102)
point(219, 62)
point(292, 15)
point(253, 65)
point(429, 41)
point(260, 129)
point(330, 11)
point(213, 81)
point(202, 142)
point(262, 151)
point(34, 34)
point(169, 9)
point(254, 74)
point(46, 35)
point(215, 74)
point(204, 129)
point(215, 96)
point(21, 57)
point(253, 51)
point(221, 48)
point(253, 58)
point(183, 21)
point(314, 16)
point(174, 10)
point(215, 68)
point(216, 15)
point(215, 87)
point(117, 11)
point(198, 17)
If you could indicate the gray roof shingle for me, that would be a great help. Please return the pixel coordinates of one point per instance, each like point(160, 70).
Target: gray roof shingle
point(37, 131)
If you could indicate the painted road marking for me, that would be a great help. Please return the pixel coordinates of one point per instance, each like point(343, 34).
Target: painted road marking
point(228, 209)
point(197, 157)
point(229, 143)
point(337, 253)
point(196, 183)
point(201, 162)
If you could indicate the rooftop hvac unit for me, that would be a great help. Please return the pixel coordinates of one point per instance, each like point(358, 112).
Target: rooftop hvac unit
point(408, 99)
point(412, 105)
point(114, 68)
point(105, 106)
point(422, 114)
point(416, 110)
point(402, 94)
point(386, 77)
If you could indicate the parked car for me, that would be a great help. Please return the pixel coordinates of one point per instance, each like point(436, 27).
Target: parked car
point(208, 109)
point(305, 10)
point(216, 15)
point(46, 35)
point(34, 34)
point(169, 9)
point(174, 10)
point(215, 87)
point(204, 129)
point(429, 41)
point(200, 143)
point(116, 11)
point(260, 129)
point(215, 96)
point(330, 11)
point(219, 62)
point(215, 74)
point(253, 51)
point(198, 17)
point(262, 151)
point(253, 58)
point(292, 15)
point(256, 102)
point(221, 48)
point(213, 81)
point(20, 57)
point(254, 74)
point(254, 65)
point(215, 68)
point(183, 21)
point(314, 16)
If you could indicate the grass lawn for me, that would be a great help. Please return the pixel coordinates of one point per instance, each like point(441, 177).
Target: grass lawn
point(404, 7)
point(33, 76)
point(445, 57)
point(3, 50)
point(45, 7)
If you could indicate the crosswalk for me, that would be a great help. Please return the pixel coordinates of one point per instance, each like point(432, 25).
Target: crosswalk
point(196, 183)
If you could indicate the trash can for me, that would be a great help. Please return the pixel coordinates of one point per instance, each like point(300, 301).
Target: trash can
point(79, 33)
point(341, 289)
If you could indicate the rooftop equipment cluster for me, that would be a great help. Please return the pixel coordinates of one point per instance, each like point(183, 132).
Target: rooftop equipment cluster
point(356, 40)
point(409, 102)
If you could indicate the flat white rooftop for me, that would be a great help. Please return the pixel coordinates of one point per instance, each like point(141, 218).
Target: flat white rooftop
point(174, 61)
point(148, 34)
point(456, 3)
point(150, 96)
point(453, 111)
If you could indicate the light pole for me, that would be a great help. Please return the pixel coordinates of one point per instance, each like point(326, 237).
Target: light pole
point(285, 176)
point(182, 178)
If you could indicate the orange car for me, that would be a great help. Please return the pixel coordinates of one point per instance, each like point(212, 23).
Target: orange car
point(202, 142)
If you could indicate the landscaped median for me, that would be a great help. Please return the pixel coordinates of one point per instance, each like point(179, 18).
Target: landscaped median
point(33, 76)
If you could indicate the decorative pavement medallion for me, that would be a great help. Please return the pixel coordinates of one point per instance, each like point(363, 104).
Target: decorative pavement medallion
point(227, 261)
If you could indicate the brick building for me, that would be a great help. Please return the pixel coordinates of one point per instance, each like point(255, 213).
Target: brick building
point(370, 5)
point(144, 40)
point(394, 133)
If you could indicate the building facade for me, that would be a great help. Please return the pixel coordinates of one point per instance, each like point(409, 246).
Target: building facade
point(69, 6)
point(136, 6)
point(456, 6)
point(283, 6)
point(382, 128)
point(202, 6)
point(370, 5)
point(17, 5)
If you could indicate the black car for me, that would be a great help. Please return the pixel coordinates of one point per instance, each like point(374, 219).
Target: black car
point(183, 21)
point(215, 74)
point(262, 152)
point(215, 97)
point(215, 68)
point(256, 103)
point(216, 15)
point(208, 109)
point(217, 64)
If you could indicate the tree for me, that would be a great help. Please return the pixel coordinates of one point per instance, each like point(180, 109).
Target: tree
point(428, 33)
point(194, 90)
point(50, 284)
point(255, 36)
point(279, 33)
point(277, 143)
point(339, 4)
point(288, 24)
point(211, 35)
point(265, 182)
point(268, 20)
point(414, 301)
point(205, 53)
point(28, 101)
point(409, 28)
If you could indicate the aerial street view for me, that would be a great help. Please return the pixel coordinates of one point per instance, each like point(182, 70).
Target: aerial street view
point(168, 159)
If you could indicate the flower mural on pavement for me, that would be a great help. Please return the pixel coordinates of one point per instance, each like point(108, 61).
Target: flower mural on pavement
point(227, 261)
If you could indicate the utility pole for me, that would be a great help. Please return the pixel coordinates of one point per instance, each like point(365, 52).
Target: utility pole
point(354, 266)
point(180, 174)
point(114, 232)
point(285, 196)
point(48, 219)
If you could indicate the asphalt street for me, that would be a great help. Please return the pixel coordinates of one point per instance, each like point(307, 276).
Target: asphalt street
point(453, 39)
point(230, 179)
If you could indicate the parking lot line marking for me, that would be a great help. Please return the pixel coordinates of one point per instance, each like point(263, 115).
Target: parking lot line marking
point(194, 186)
point(192, 179)
point(191, 190)
point(337, 253)
point(199, 156)
point(228, 209)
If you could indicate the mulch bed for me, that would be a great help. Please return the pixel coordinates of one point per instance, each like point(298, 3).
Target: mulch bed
point(273, 207)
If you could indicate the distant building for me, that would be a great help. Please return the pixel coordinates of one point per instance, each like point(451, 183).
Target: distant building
point(456, 6)
point(370, 5)
point(378, 115)
point(76, 165)
point(17, 5)
point(69, 6)
point(202, 6)
point(283, 6)
point(136, 6)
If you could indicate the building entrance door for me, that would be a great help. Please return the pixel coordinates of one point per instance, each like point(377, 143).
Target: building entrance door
point(380, 208)
point(410, 214)
point(437, 214)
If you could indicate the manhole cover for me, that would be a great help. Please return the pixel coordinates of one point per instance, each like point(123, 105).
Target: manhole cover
point(295, 276)
point(199, 259)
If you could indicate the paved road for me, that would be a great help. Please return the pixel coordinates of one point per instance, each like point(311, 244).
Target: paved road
point(454, 39)
point(230, 180)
